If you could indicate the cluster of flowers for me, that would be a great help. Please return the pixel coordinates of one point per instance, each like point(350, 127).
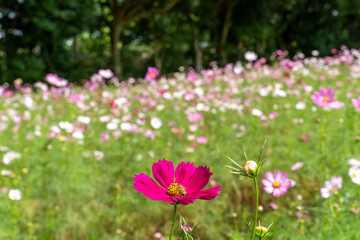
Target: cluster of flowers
point(8, 158)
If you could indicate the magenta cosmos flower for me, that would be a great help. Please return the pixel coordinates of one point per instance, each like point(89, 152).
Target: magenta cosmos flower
point(152, 73)
point(326, 98)
point(276, 184)
point(183, 185)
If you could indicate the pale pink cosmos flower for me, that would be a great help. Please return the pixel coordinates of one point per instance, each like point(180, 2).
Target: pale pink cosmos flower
point(106, 73)
point(194, 117)
point(273, 115)
point(202, 140)
point(149, 134)
point(276, 184)
point(331, 187)
point(152, 73)
point(273, 205)
point(55, 80)
point(297, 166)
point(356, 103)
point(326, 98)
point(354, 162)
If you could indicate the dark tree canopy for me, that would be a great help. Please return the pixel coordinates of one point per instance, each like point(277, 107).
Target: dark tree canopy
point(74, 38)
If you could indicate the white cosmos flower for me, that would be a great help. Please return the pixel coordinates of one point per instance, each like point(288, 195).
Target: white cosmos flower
point(67, 126)
point(6, 172)
point(78, 135)
point(106, 73)
point(250, 56)
point(28, 102)
point(300, 106)
point(111, 126)
point(354, 162)
point(10, 156)
point(84, 119)
point(120, 101)
point(257, 112)
point(125, 126)
point(156, 122)
point(331, 187)
point(15, 194)
point(98, 155)
point(354, 173)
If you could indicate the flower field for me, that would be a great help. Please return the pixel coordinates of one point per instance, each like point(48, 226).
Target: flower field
point(75, 155)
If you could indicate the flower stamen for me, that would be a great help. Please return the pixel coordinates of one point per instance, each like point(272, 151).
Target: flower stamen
point(176, 189)
point(276, 184)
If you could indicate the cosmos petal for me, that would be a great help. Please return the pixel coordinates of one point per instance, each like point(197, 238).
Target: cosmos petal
point(270, 177)
point(207, 194)
point(198, 180)
point(184, 172)
point(163, 172)
point(266, 183)
point(276, 192)
point(277, 175)
point(269, 190)
point(145, 185)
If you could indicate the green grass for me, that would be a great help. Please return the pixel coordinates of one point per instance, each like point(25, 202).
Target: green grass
point(68, 194)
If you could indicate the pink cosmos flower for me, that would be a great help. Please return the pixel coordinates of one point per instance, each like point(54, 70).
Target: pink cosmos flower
point(202, 140)
point(331, 186)
point(297, 166)
point(152, 73)
point(276, 184)
point(184, 189)
point(326, 98)
point(356, 103)
point(55, 80)
point(194, 117)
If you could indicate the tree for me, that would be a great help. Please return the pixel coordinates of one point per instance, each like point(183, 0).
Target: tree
point(35, 36)
point(119, 13)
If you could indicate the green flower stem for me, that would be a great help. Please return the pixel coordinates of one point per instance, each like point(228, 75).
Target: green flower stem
point(323, 134)
point(236, 227)
point(333, 214)
point(256, 208)
point(173, 225)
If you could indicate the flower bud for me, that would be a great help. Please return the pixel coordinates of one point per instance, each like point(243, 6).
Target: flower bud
point(250, 168)
point(186, 228)
point(260, 231)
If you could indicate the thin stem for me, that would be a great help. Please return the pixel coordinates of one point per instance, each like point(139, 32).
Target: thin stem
point(236, 227)
point(256, 208)
point(333, 214)
point(323, 134)
point(173, 225)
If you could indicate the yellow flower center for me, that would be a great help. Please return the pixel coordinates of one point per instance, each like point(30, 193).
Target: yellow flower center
point(152, 75)
point(325, 99)
point(276, 184)
point(354, 175)
point(176, 190)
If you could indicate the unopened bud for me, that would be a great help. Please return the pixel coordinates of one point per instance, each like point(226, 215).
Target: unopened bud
point(260, 231)
point(250, 168)
point(186, 228)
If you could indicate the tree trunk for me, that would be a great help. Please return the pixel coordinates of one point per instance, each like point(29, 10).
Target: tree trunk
point(198, 52)
point(115, 51)
point(230, 5)
point(159, 56)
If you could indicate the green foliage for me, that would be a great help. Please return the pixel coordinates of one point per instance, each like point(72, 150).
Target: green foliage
point(192, 33)
point(35, 40)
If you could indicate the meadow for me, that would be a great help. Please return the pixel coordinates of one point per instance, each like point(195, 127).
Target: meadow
point(70, 151)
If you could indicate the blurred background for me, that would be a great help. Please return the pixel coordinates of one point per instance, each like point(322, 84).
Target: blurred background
point(75, 38)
